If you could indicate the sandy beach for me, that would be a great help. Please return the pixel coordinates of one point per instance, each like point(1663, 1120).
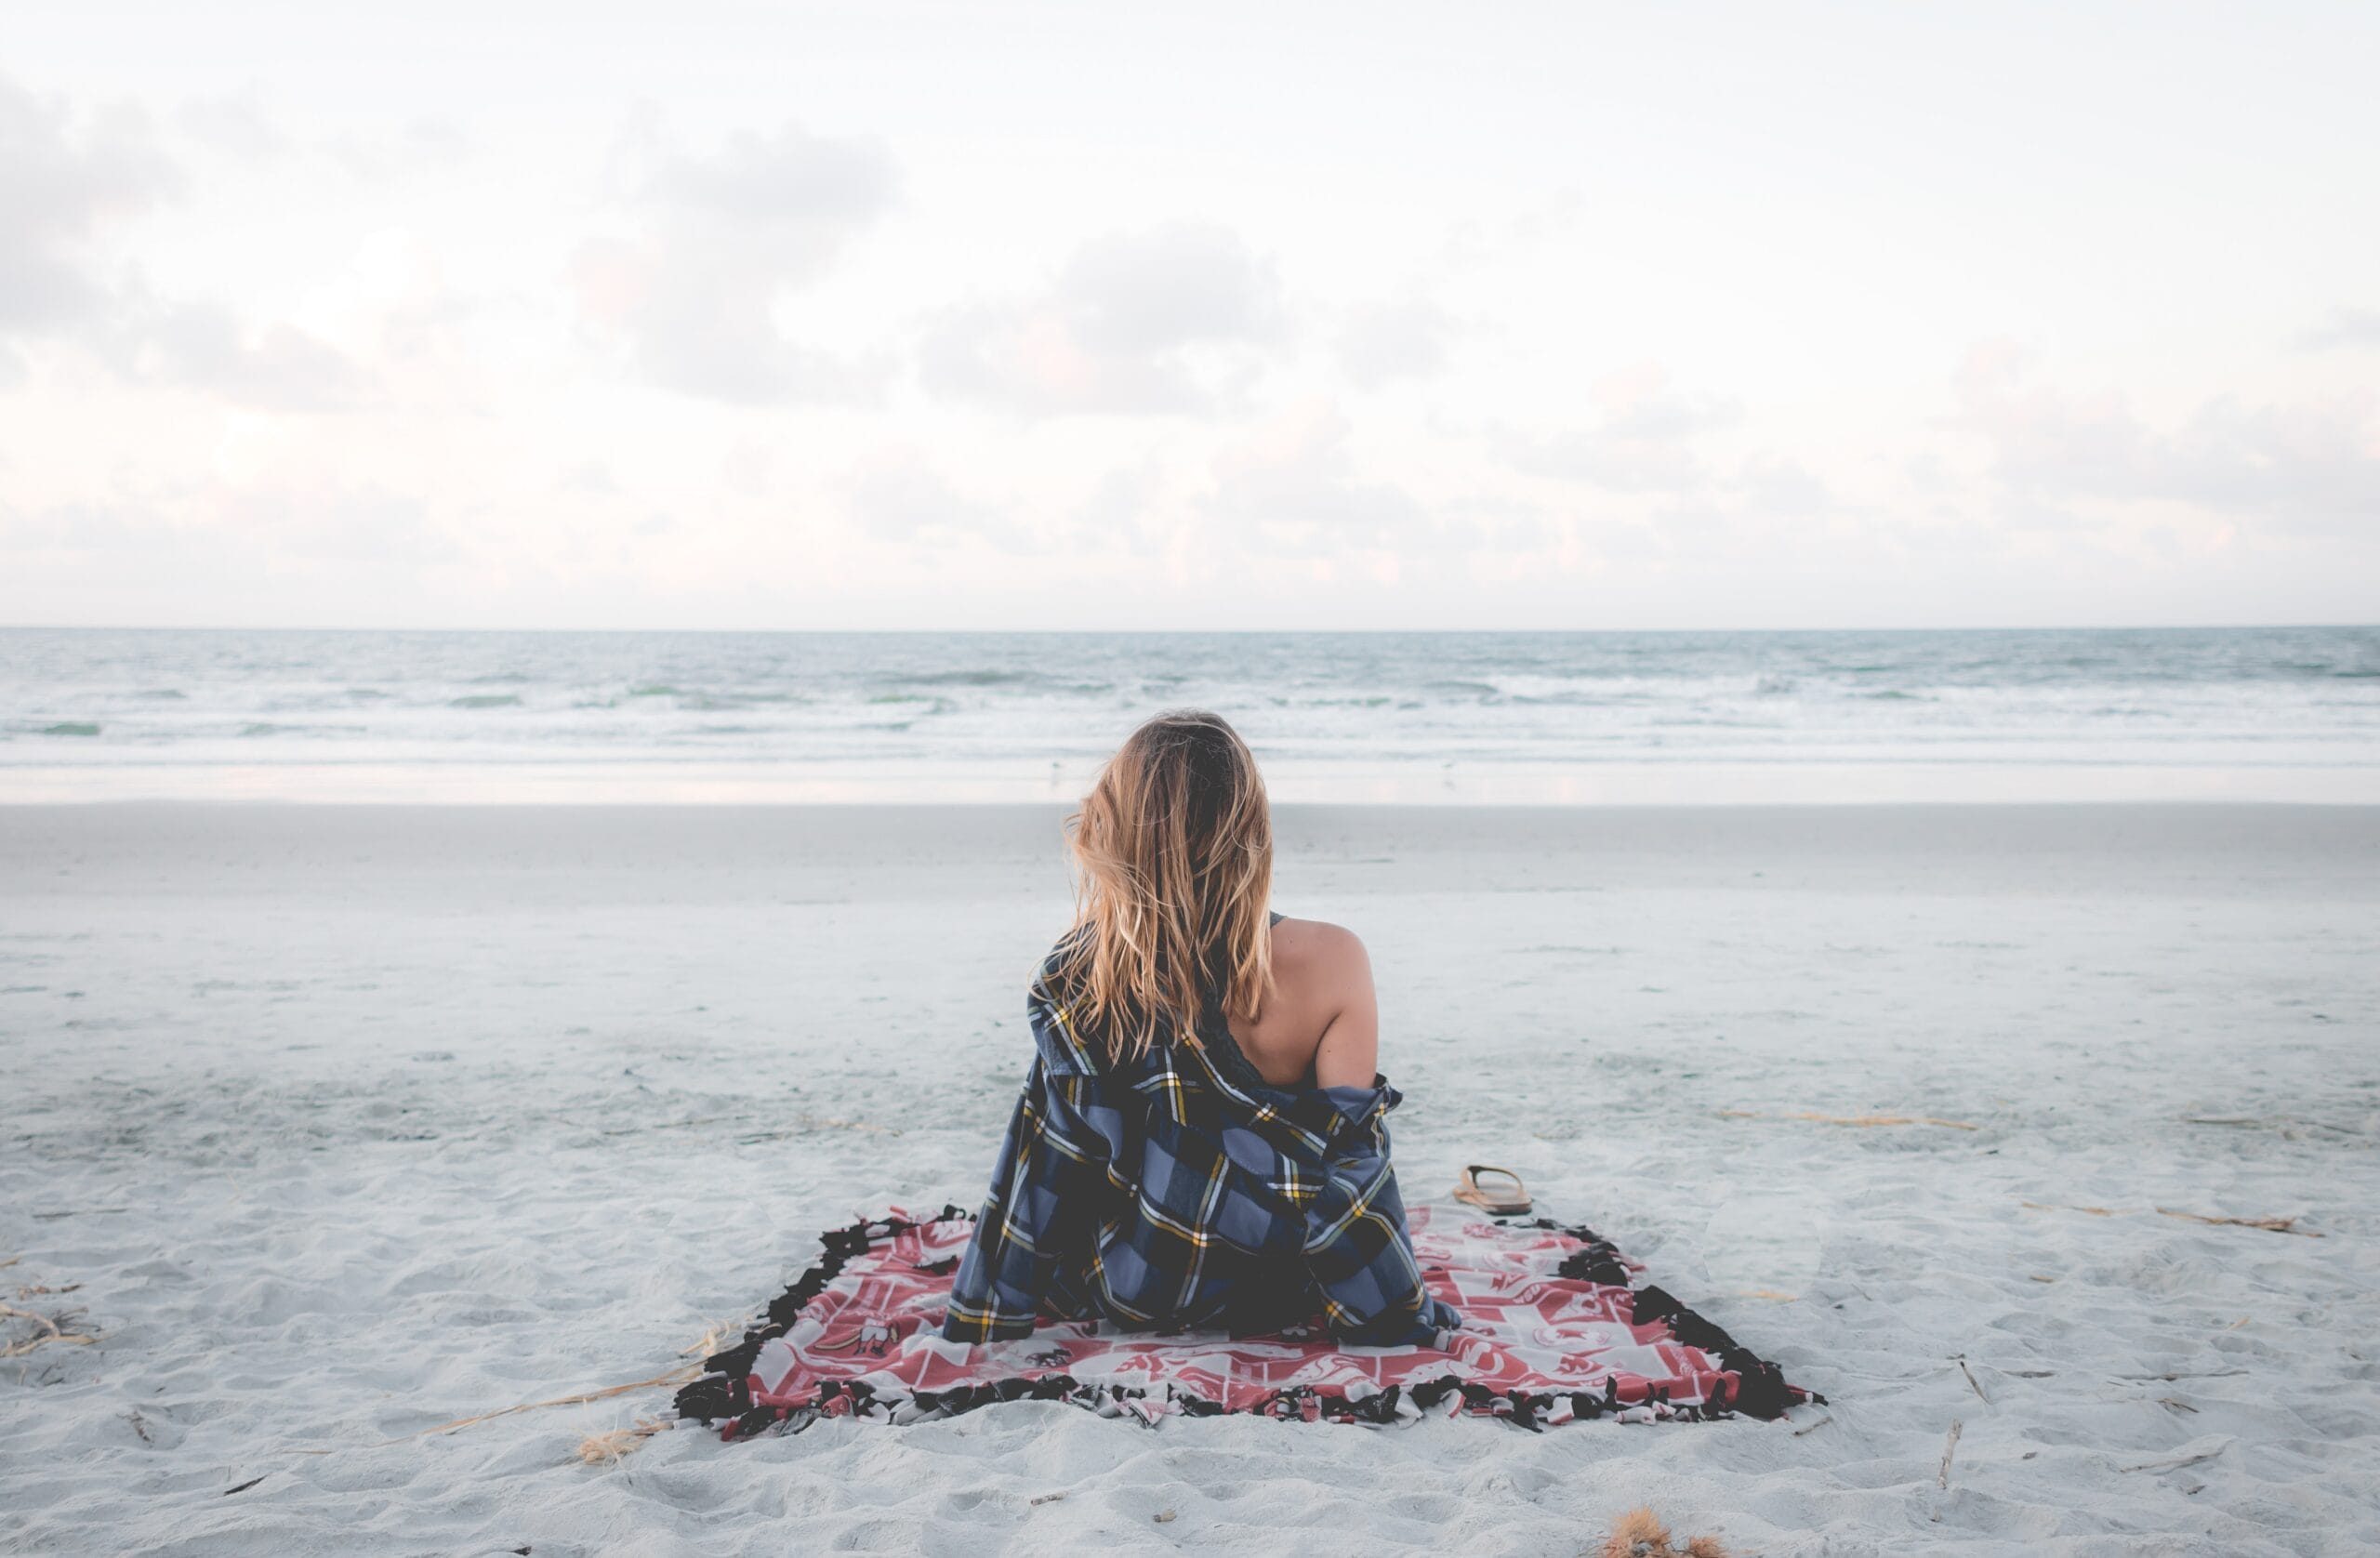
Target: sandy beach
point(334, 1124)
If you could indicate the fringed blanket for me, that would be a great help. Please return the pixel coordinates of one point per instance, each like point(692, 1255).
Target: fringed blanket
point(1553, 1330)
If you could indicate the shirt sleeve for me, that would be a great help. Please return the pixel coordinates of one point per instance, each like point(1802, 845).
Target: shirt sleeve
point(1049, 1165)
point(1357, 1250)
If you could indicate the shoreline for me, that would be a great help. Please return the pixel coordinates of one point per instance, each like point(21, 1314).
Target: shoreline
point(1684, 782)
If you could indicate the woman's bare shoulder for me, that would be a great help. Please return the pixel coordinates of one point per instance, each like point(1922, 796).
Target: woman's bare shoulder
point(1314, 951)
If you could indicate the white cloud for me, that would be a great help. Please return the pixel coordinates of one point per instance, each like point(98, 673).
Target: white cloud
point(1382, 342)
point(1781, 486)
point(278, 367)
point(2349, 328)
point(2307, 466)
point(1290, 488)
point(1174, 319)
point(64, 186)
point(1642, 437)
point(690, 296)
point(236, 126)
point(898, 494)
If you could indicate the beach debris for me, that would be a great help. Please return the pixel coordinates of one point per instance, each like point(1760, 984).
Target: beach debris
point(714, 1336)
point(1949, 1448)
point(52, 1330)
point(1813, 1428)
point(1869, 1121)
point(2269, 1224)
point(1164, 1516)
point(708, 1343)
point(139, 1425)
point(617, 1445)
point(2188, 1458)
point(244, 1486)
point(2289, 1129)
point(805, 1124)
point(675, 1377)
point(1045, 1497)
point(1640, 1534)
point(1961, 1362)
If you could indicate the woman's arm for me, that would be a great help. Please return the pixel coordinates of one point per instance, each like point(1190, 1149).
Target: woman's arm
point(1348, 1055)
point(1049, 1166)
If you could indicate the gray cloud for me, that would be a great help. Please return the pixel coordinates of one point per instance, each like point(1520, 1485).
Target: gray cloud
point(802, 194)
point(1384, 342)
point(224, 531)
point(204, 346)
point(1176, 319)
point(720, 238)
point(236, 126)
point(1778, 487)
point(1117, 514)
point(1642, 437)
point(426, 145)
point(61, 184)
point(1293, 491)
point(2312, 467)
point(2347, 329)
point(899, 495)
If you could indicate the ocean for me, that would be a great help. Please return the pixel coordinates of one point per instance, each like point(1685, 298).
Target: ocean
point(2277, 714)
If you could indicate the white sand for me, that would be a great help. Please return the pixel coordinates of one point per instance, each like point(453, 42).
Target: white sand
point(348, 1122)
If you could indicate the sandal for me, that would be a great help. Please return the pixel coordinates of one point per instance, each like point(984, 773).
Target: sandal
point(1495, 1203)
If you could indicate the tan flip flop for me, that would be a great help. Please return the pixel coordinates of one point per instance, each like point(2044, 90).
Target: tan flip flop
point(1495, 1203)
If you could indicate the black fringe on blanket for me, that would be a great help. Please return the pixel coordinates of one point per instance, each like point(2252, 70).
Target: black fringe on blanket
point(724, 1393)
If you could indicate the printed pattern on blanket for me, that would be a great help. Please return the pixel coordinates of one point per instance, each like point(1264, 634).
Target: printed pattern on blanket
point(1553, 1330)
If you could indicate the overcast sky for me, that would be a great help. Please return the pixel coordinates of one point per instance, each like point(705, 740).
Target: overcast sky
point(1001, 315)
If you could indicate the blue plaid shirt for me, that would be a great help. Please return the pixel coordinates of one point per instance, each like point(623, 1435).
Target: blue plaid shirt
point(1180, 1189)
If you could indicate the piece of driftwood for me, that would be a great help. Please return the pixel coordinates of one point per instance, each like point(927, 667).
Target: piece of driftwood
point(2269, 1224)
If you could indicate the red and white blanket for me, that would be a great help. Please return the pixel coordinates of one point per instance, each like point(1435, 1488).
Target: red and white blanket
point(1554, 1329)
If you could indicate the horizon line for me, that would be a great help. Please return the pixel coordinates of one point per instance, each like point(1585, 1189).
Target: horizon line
point(1214, 632)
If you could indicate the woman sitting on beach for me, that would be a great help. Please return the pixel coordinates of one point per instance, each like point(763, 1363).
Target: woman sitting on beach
point(1201, 1139)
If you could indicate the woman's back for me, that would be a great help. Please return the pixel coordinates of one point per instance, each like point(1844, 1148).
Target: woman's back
point(1320, 1026)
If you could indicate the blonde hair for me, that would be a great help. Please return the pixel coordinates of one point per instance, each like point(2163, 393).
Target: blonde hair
point(1173, 859)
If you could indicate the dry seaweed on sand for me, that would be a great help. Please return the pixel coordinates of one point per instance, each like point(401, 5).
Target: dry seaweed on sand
point(1640, 1534)
point(595, 1446)
point(1866, 1121)
point(613, 1445)
point(52, 1331)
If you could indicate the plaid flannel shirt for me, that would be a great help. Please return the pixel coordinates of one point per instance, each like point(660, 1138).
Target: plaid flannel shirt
point(1180, 1189)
